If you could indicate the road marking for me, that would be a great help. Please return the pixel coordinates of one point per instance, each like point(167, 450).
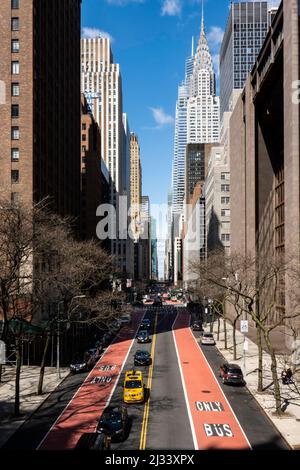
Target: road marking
point(218, 432)
point(221, 390)
point(184, 390)
point(149, 385)
point(60, 422)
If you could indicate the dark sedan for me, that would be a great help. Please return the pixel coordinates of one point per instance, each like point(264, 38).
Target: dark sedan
point(114, 422)
point(143, 337)
point(231, 374)
point(197, 326)
point(146, 324)
point(142, 358)
point(93, 441)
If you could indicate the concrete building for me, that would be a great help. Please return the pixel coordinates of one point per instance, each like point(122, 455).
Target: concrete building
point(196, 165)
point(154, 257)
point(264, 149)
point(246, 29)
point(95, 188)
point(136, 185)
point(40, 112)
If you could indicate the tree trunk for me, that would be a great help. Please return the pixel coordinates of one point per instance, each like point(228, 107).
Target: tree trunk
point(225, 333)
point(277, 393)
point(18, 375)
point(42, 369)
point(218, 333)
point(212, 321)
point(260, 359)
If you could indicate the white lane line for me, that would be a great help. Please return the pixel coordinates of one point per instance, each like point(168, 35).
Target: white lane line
point(213, 374)
point(74, 396)
point(184, 390)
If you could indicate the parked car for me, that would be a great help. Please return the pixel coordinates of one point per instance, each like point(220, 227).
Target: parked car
point(79, 364)
point(197, 326)
point(125, 320)
point(208, 338)
point(114, 422)
point(93, 441)
point(142, 358)
point(231, 373)
point(143, 337)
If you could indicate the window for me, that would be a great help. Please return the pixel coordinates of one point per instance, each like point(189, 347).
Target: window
point(83, 159)
point(83, 137)
point(83, 148)
point(225, 237)
point(225, 200)
point(15, 4)
point(15, 110)
point(225, 188)
point(15, 176)
point(15, 45)
point(15, 133)
point(15, 89)
point(225, 213)
point(15, 154)
point(15, 24)
point(15, 67)
point(14, 197)
point(84, 126)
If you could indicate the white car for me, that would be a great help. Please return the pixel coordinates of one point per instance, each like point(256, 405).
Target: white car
point(208, 338)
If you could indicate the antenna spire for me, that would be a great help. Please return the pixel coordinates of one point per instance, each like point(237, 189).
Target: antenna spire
point(202, 20)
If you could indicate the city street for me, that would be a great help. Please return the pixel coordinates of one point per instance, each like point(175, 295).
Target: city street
point(186, 407)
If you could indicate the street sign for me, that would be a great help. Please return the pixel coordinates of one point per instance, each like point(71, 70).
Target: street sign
point(244, 326)
point(2, 353)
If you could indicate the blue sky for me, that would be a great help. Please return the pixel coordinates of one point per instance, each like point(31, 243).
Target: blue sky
point(151, 40)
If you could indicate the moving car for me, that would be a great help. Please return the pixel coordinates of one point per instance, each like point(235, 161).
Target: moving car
point(114, 422)
point(197, 326)
point(134, 389)
point(208, 338)
point(142, 358)
point(143, 337)
point(93, 441)
point(146, 324)
point(231, 373)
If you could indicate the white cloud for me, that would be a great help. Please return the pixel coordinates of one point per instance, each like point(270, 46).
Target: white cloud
point(161, 118)
point(215, 36)
point(171, 7)
point(91, 33)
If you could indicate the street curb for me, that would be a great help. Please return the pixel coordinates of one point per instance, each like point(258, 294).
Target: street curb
point(264, 411)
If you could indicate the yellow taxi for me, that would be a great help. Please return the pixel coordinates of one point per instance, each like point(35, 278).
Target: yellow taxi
point(134, 390)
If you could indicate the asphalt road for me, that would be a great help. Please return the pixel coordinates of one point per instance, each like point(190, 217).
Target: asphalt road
point(162, 422)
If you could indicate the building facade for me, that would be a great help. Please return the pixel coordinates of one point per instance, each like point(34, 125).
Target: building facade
point(203, 107)
point(265, 210)
point(246, 29)
point(95, 189)
point(136, 185)
point(40, 115)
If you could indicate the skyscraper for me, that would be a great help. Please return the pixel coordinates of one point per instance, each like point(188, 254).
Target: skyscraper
point(180, 138)
point(136, 185)
point(40, 114)
point(102, 85)
point(246, 29)
point(203, 123)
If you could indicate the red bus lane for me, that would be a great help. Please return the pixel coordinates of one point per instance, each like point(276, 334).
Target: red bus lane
point(214, 424)
point(86, 407)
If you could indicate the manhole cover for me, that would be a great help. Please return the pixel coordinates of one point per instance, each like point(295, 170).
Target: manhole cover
point(205, 391)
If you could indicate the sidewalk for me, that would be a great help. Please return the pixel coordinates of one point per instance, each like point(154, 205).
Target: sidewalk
point(289, 424)
point(29, 401)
